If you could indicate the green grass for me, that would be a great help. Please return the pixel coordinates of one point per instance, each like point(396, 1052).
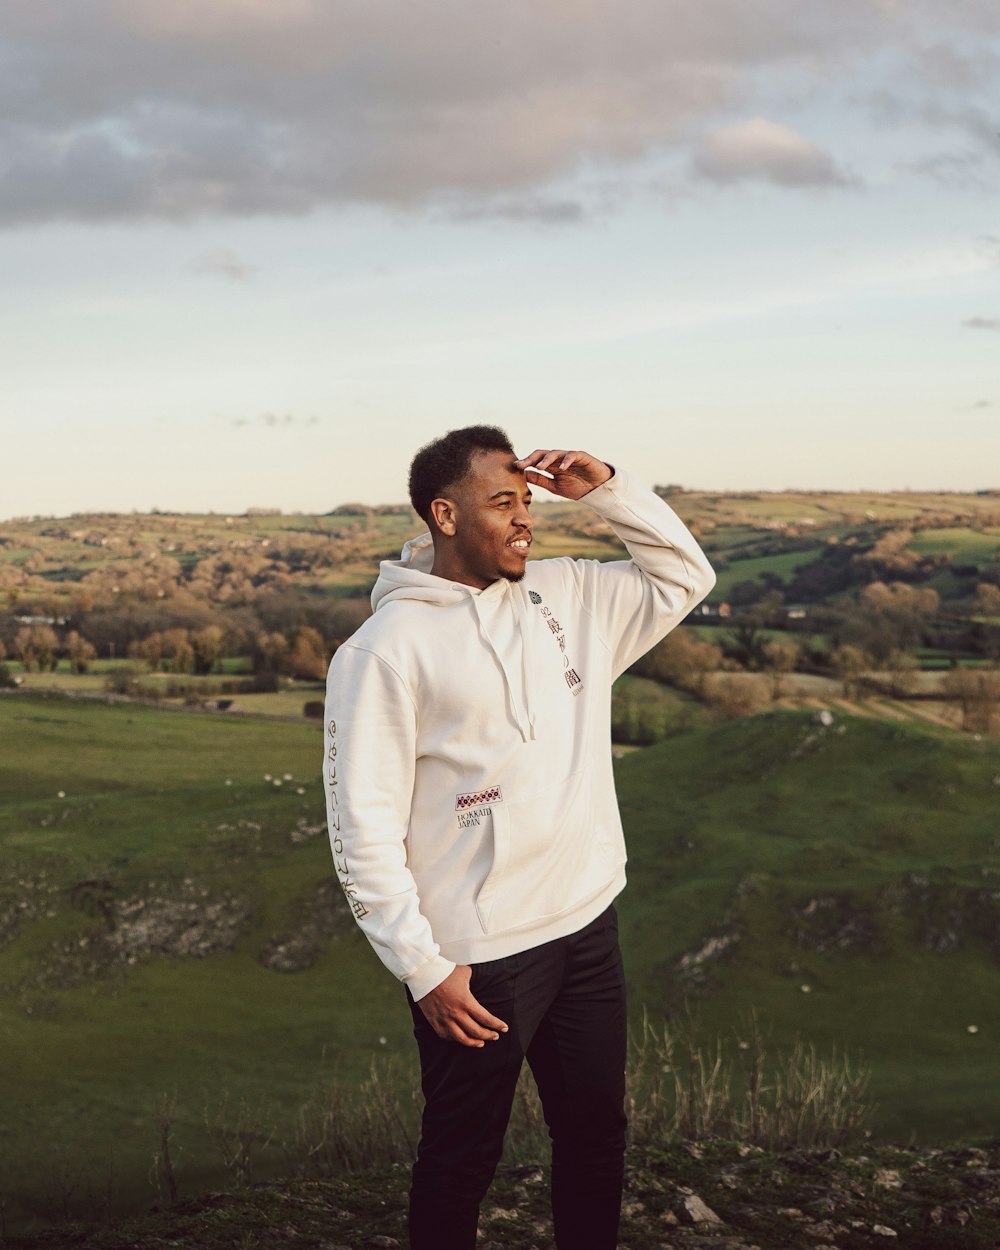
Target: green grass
point(146, 801)
point(731, 829)
point(965, 546)
point(735, 829)
point(783, 566)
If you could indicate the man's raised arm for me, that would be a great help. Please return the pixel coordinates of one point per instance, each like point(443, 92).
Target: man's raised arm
point(635, 602)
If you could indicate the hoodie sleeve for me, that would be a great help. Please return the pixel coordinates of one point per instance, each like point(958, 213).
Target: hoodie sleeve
point(368, 771)
point(637, 602)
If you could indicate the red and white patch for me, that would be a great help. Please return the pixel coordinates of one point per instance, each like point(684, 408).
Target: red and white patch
point(492, 795)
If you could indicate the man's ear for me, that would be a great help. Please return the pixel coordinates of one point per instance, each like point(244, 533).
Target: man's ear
point(445, 516)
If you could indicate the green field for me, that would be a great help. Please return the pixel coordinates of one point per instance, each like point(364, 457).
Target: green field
point(287, 703)
point(860, 861)
point(783, 566)
point(965, 546)
point(147, 809)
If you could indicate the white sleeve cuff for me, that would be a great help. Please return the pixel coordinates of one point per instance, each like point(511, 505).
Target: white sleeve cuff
point(428, 976)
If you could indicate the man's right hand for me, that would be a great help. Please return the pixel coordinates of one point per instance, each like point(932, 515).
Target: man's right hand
point(456, 1015)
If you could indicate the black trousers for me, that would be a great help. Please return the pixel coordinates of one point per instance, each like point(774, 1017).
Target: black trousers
point(564, 1004)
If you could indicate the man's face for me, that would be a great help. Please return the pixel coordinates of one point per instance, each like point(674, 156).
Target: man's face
point(493, 527)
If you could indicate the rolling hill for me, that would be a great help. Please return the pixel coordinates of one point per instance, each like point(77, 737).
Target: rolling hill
point(169, 928)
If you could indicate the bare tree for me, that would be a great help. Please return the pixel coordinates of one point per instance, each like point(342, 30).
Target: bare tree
point(207, 646)
point(733, 695)
point(904, 673)
point(987, 599)
point(681, 659)
point(977, 694)
point(850, 663)
point(37, 644)
point(308, 660)
point(81, 652)
point(780, 656)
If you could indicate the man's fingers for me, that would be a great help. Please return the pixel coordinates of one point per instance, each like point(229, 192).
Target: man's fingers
point(455, 1033)
point(541, 459)
point(478, 1023)
point(553, 460)
point(532, 459)
point(470, 1033)
point(486, 1018)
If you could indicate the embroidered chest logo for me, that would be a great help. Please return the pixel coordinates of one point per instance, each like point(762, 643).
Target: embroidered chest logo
point(471, 808)
point(572, 678)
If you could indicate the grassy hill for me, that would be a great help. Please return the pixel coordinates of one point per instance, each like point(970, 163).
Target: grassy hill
point(844, 881)
point(169, 928)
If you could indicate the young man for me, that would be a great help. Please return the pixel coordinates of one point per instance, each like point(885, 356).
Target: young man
point(473, 817)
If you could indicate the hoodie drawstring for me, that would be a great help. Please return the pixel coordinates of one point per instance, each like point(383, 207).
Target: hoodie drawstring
point(519, 691)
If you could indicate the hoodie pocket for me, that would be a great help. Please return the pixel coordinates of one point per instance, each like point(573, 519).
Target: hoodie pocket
point(548, 856)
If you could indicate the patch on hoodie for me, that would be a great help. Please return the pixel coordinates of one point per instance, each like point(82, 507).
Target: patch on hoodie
point(465, 801)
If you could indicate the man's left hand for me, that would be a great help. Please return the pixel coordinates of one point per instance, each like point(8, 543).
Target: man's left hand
point(574, 473)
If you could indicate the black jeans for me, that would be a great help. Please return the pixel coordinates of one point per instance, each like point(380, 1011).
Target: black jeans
point(564, 1004)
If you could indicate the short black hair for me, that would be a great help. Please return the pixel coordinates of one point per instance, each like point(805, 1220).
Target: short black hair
point(446, 460)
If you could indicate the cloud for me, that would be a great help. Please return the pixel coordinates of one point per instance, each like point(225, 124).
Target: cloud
point(274, 421)
point(540, 210)
point(128, 109)
point(957, 170)
point(766, 151)
point(949, 90)
point(223, 263)
point(982, 323)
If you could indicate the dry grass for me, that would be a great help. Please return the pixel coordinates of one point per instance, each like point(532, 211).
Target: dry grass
point(678, 1088)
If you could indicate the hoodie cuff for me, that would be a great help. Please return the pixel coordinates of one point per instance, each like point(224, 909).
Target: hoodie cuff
point(609, 493)
point(428, 976)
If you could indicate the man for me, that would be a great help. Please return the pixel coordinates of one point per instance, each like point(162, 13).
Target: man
point(473, 817)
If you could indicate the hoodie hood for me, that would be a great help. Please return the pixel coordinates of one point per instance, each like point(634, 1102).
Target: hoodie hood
point(498, 612)
point(410, 577)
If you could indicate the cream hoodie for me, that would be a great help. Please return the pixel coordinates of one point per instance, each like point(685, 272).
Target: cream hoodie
point(468, 773)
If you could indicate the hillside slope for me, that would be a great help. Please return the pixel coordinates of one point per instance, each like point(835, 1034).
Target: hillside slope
point(845, 882)
point(170, 934)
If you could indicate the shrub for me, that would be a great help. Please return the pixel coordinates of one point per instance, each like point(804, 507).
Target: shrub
point(734, 695)
point(266, 682)
point(123, 680)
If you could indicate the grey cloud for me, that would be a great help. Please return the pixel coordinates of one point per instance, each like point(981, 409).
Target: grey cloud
point(538, 209)
point(982, 323)
point(978, 122)
point(944, 62)
point(958, 170)
point(139, 108)
point(988, 245)
point(765, 150)
point(223, 263)
point(950, 90)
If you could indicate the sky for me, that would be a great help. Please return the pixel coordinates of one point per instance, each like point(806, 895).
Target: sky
point(255, 253)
